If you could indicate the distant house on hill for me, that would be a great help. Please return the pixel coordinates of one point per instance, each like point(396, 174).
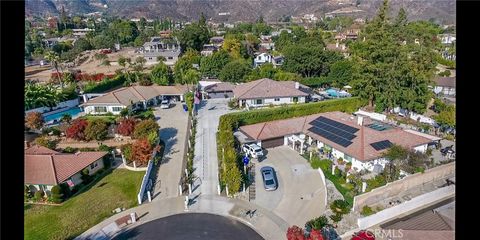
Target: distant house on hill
point(169, 48)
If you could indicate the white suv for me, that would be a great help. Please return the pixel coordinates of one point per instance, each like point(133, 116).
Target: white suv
point(253, 150)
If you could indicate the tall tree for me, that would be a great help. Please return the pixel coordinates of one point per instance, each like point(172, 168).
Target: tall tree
point(161, 74)
point(211, 66)
point(53, 58)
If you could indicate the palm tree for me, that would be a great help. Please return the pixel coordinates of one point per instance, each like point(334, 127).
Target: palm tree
point(191, 76)
point(52, 57)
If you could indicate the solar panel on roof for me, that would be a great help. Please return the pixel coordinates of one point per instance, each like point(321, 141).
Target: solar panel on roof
point(330, 136)
point(381, 145)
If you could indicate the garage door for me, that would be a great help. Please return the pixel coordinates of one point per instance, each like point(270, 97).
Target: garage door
point(273, 142)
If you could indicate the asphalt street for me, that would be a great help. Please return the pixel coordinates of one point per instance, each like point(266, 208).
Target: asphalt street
point(197, 226)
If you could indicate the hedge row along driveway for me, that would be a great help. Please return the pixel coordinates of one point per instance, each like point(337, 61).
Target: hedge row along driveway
point(230, 162)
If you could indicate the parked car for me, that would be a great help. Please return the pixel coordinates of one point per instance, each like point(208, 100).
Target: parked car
point(165, 104)
point(447, 150)
point(253, 150)
point(268, 176)
point(317, 98)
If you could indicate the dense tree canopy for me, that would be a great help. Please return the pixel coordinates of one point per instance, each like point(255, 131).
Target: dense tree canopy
point(161, 74)
point(212, 65)
point(194, 36)
point(235, 71)
point(391, 73)
point(309, 61)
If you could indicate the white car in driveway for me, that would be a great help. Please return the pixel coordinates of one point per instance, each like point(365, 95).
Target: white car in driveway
point(165, 104)
point(252, 150)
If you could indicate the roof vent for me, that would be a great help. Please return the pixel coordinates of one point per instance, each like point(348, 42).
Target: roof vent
point(360, 120)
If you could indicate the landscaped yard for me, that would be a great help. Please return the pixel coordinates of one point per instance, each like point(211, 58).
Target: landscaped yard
point(78, 214)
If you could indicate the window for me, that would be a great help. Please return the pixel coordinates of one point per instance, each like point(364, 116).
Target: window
point(277, 99)
point(295, 99)
point(348, 158)
point(100, 109)
point(93, 165)
point(116, 109)
point(170, 57)
point(259, 101)
point(149, 58)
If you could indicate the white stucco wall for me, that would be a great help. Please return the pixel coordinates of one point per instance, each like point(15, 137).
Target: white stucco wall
point(268, 101)
point(91, 109)
point(421, 148)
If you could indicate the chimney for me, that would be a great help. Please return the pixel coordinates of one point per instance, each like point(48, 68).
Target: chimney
point(336, 44)
point(360, 120)
point(297, 85)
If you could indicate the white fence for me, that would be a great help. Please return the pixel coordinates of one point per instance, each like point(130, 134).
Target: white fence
point(60, 107)
point(146, 177)
point(324, 184)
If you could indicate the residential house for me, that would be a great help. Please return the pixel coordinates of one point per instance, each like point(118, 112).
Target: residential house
point(355, 139)
point(337, 47)
point(169, 48)
point(81, 32)
point(134, 97)
point(217, 41)
point(348, 34)
point(45, 168)
point(447, 38)
point(267, 44)
point(265, 92)
point(208, 49)
point(277, 33)
point(445, 86)
point(263, 58)
point(436, 222)
point(219, 90)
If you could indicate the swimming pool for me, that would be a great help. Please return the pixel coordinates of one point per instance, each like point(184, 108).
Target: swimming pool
point(74, 112)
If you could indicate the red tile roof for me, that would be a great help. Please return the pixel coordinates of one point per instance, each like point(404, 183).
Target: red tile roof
point(268, 130)
point(37, 149)
point(51, 169)
point(445, 81)
point(266, 88)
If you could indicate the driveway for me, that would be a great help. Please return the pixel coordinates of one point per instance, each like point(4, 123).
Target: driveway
point(173, 129)
point(301, 193)
point(205, 161)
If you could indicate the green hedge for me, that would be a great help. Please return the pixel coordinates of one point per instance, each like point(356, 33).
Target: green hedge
point(229, 164)
point(105, 85)
point(348, 105)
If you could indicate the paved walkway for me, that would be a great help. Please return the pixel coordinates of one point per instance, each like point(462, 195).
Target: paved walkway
point(173, 130)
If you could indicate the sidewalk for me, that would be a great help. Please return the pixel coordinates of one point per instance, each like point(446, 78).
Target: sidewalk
point(266, 223)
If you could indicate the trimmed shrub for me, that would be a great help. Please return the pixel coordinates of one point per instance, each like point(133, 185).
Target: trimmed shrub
point(126, 127)
point(336, 218)
point(144, 128)
point(57, 196)
point(97, 129)
point(45, 142)
point(367, 211)
point(39, 195)
point(127, 152)
point(317, 223)
point(65, 190)
point(340, 207)
point(86, 178)
point(105, 85)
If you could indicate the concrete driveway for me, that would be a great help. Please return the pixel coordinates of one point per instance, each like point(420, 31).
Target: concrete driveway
point(173, 129)
point(301, 193)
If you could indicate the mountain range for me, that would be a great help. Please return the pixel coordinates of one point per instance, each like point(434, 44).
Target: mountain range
point(443, 11)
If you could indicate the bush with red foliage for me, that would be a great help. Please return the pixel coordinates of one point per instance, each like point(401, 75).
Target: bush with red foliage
point(295, 233)
point(34, 120)
point(315, 235)
point(126, 127)
point(77, 129)
point(141, 151)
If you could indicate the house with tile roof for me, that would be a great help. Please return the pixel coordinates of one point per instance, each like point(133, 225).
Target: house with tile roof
point(445, 86)
point(133, 97)
point(264, 92)
point(355, 139)
point(45, 168)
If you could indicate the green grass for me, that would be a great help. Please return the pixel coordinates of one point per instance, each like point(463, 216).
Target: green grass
point(342, 187)
point(78, 214)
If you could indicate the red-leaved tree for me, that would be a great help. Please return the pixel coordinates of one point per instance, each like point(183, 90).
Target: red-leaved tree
point(34, 120)
point(295, 233)
point(126, 127)
point(141, 151)
point(77, 129)
point(315, 235)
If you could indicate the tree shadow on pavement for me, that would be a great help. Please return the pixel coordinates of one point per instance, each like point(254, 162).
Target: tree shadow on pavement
point(168, 136)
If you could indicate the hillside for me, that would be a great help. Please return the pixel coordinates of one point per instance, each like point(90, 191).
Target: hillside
point(242, 10)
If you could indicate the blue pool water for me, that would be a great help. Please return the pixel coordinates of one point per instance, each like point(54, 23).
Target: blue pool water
point(72, 111)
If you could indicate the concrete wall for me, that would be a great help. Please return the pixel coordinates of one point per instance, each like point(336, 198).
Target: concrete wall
point(413, 181)
point(60, 107)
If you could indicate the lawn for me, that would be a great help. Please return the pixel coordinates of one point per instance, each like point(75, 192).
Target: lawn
point(78, 214)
